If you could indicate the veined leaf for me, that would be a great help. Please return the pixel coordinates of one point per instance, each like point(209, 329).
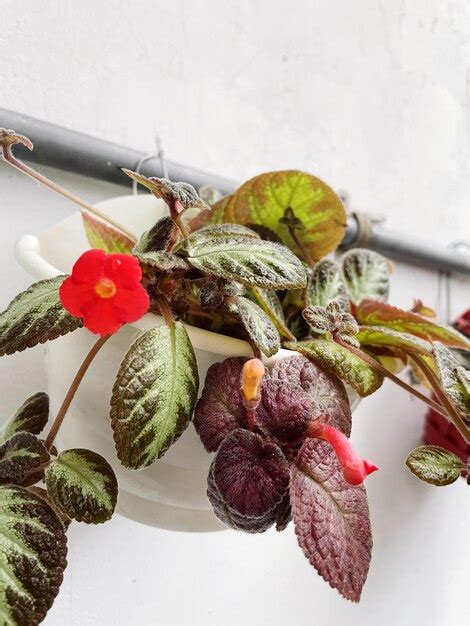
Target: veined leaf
point(154, 395)
point(331, 519)
point(83, 485)
point(341, 362)
point(31, 417)
point(35, 316)
point(104, 236)
point(373, 313)
point(390, 338)
point(265, 199)
point(366, 275)
point(242, 258)
point(268, 300)
point(455, 380)
point(161, 260)
point(23, 452)
point(152, 247)
point(434, 465)
point(326, 284)
point(33, 557)
point(259, 326)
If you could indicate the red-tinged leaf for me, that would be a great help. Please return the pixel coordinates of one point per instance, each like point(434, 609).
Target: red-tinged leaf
point(331, 519)
point(327, 393)
point(105, 237)
point(220, 408)
point(374, 313)
point(248, 480)
point(382, 336)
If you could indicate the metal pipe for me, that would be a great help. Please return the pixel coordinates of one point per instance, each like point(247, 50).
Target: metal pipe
point(76, 152)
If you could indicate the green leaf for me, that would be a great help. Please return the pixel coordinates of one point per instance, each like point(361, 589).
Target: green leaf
point(382, 336)
point(32, 416)
point(33, 557)
point(366, 275)
point(339, 361)
point(35, 316)
point(326, 284)
point(434, 465)
point(104, 236)
point(265, 199)
point(243, 258)
point(83, 485)
point(259, 326)
point(152, 247)
point(268, 300)
point(373, 313)
point(20, 454)
point(455, 380)
point(154, 395)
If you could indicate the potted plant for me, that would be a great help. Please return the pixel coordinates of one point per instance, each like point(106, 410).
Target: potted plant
point(248, 280)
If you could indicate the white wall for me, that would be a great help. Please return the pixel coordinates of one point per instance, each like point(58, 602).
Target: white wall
point(370, 95)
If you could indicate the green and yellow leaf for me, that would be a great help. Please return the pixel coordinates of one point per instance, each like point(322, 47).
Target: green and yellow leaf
point(434, 465)
point(32, 416)
point(104, 236)
point(382, 336)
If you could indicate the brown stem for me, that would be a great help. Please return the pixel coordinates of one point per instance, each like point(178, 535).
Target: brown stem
point(453, 414)
point(179, 222)
point(301, 247)
point(165, 310)
point(29, 171)
point(72, 390)
point(382, 370)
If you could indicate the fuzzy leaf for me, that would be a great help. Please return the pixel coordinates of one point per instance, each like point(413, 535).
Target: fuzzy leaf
point(455, 380)
point(152, 247)
point(382, 336)
point(366, 275)
point(35, 316)
point(373, 313)
point(259, 326)
point(104, 236)
point(161, 260)
point(265, 199)
point(240, 257)
point(31, 417)
point(271, 305)
point(434, 465)
point(33, 557)
point(83, 485)
point(332, 320)
point(23, 452)
point(331, 519)
point(327, 393)
point(154, 395)
point(220, 409)
point(326, 285)
point(247, 481)
point(340, 362)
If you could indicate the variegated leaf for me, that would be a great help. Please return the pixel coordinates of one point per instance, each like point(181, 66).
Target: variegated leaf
point(20, 454)
point(161, 260)
point(33, 557)
point(374, 313)
point(35, 316)
point(455, 380)
point(153, 247)
point(365, 274)
point(331, 519)
point(389, 338)
point(259, 326)
point(31, 417)
point(104, 236)
point(242, 258)
point(83, 485)
point(154, 395)
point(269, 301)
point(341, 362)
point(434, 465)
point(326, 284)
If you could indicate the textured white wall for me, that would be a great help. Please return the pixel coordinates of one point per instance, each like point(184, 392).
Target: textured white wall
point(369, 95)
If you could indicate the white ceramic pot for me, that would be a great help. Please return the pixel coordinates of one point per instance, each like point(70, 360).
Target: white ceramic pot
point(172, 492)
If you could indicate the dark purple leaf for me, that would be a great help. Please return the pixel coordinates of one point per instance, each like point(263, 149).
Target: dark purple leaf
point(220, 408)
point(331, 519)
point(284, 513)
point(327, 393)
point(247, 481)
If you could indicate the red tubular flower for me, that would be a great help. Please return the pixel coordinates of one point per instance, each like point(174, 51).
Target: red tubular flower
point(355, 470)
point(105, 290)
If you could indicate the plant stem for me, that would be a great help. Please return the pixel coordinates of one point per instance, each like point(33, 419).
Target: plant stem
point(72, 390)
point(179, 222)
point(301, 247)
point(165, 310)
point(384, 371)
point(29, 171)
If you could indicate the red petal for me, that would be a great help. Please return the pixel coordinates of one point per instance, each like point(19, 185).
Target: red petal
point(131, 304)
point(101, 316)
point(123, 269)
point(74, 295)
point(89, 267)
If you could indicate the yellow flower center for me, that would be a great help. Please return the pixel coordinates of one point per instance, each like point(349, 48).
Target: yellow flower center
point(105, 288)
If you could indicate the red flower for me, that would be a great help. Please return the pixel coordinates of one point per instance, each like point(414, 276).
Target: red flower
point(463, 323)
point(105, 290)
